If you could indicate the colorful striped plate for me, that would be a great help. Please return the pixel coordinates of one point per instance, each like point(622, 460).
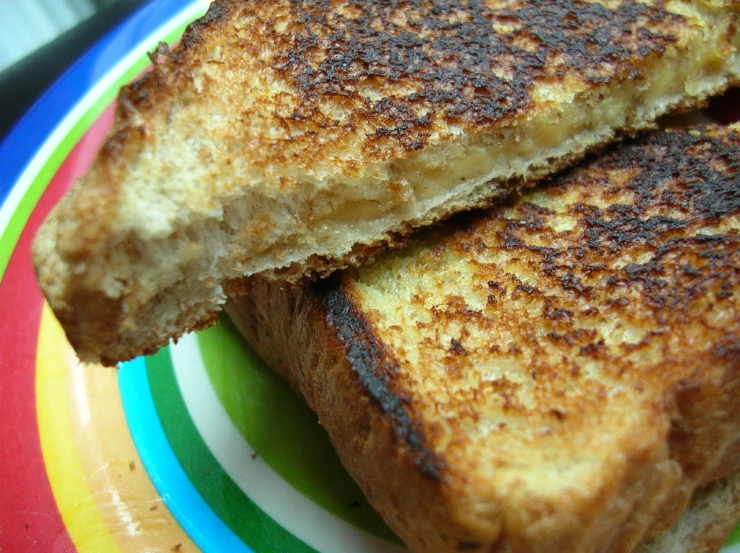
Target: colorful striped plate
point(199, 447)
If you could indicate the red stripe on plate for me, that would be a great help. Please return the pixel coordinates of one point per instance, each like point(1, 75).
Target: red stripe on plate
point(29, 519)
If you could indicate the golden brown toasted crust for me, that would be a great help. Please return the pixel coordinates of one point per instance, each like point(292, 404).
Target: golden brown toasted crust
point(435, 69)
point(286, 138)
point(557, 375)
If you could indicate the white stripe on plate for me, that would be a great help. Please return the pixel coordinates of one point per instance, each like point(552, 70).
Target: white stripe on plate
point(299, 515)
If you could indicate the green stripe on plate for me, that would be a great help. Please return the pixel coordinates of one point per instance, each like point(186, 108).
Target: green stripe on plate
point(41, 181)
point(275, 422)
point(734, 538)
point(235, 509)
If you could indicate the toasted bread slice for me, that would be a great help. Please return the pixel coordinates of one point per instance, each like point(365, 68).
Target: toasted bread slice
point(291, 138)
point(706, 523)
point(556, 375)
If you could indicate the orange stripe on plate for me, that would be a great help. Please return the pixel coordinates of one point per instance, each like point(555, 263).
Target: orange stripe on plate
point(106, 499)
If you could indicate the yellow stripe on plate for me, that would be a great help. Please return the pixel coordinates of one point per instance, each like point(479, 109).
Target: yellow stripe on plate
point(86, 527)
point(103, 493)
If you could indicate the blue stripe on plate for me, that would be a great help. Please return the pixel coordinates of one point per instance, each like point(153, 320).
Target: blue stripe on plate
point(22, 143)
point(204, 527)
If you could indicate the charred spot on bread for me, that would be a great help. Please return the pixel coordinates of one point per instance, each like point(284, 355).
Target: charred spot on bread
point(376, 370)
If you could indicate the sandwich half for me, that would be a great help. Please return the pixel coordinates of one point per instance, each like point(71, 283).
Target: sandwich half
point(559, 374)
point(285, 139)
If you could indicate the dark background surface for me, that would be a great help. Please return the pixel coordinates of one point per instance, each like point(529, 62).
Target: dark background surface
point(22, 83)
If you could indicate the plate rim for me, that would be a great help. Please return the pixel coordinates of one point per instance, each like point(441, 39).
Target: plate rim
point(56, 105)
